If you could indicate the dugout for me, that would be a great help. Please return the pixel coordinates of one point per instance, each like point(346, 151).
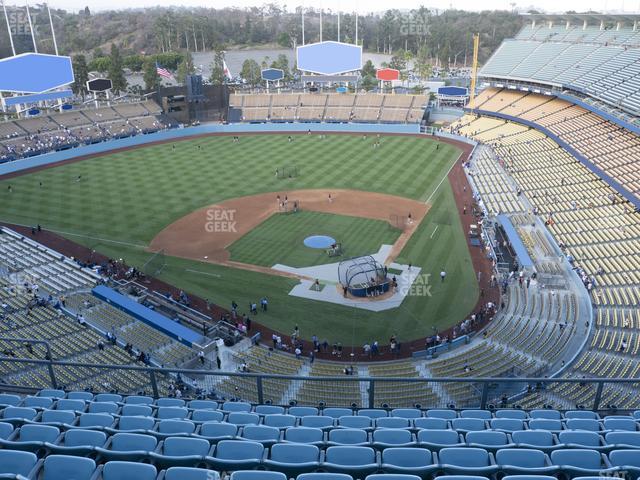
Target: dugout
point(363, 276)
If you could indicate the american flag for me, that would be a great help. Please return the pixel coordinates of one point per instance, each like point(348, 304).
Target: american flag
point(163, 72)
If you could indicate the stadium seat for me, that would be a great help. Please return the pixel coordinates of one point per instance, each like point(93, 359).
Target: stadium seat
point(103, 407)
point(137, 410)
point(337, 412)
point(207, 416)
point(416, 461)
point(578, 462)
point(203, 405)
point(513, 414)
point(324, 476)
point(66, 467)
point(462, 461)
point(445, 414)
point(314, 436)
point(537, 439)
point(581, 414)
point(551, 425)
point(176, 427)
point(580, 439)
point(180, 451)
point(529, 477)
point(410, 413)
point(230, 455)
point(385, 438)
point(214, 431)
point(480, 414)
point(393, 422)
point(133, 423)
point(269, 410)
point(130, 447)
point(348, 436)
point(303, 411)
point(17, 463)
point(57, 417)
point(463, 477)
point(627, 461)
point(236, 407)
point(372, 413)
point(170, 402)
point(489, 440)
point(623, 439)
point(293, 459)
point(516, 461)
point(7, 400)
point(316, 421)
point(261, 433)
point(507, 424)
point(257, 475)
point(79, 442)
point(86, 396)
point(279, 420)
point(636, 414)
point(626, 424)
point(31, 437)
point(138, 400)
point(88, 420)
point(6, 429)
point(51, 393)
point(431, 424)
point(583, 424)
point(468, 424)
point(38, 402)
point(547, 414)
point(352, 421)
point(120, 470)
point(358, 461)
point(108, 397)
point(243, 418)
point(71, 405)
point(437, 439)
point(188, 473)
point(392, 476)
point(165, 413)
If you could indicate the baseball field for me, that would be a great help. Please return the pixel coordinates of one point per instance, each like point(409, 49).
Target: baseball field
point(212, 205)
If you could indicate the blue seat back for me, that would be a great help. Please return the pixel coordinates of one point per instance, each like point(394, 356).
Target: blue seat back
point(354, 422)
point(337, 412)
point(303, 435)
point(347, 436)
point(521, 457)
point(442, 413)
point(19, 413)
point(239, 450)
point(261, 433)
point(628, 424)
point(488, 437)
point(6, 429)
point(406, 413)
point(207, 416)
point(393, 422)
point(372, 413)
point(86, 396)
point(625, 458)
point(279, 420)
point(7, 399)
point(188, 473)
point(507, 424)
point(577, 437)
point(623, 438)
point(172, 412)
point(39, 433)
point(71, 405)
point(103, 407)
point(257, 475)
point(439, 437)
point(131, 442)
point(583, 424)
point(407, 457)
point(170, 402)
point(37, 402)
point(65, 467)
point(509, 413)
point(324, 476)
point(303, 411)
point(589, 459)
point(468, 424)
point(183, 447)
point(294, 453)
point(136, 423)
point(76, 437)
point(392, 436)
point(108, 397)
point(56, 416)
point(51, 392)
point(316, 421)
point(243, 418)
point(350, 456)
point(269, 410)
point(176, 426)
point(236, 407)
point(545, 424)
point(216, 430)
point(481, 414)
point(203, 405)
point(464, 457)
point(137, 410)
point(538, 438)
point(16, 462)
point(548, 414)
point(138, 400)
point(431, 423)
point(128, 471)
point(584, 414)
point(95, 420)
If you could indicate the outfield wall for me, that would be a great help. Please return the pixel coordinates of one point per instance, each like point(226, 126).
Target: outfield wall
point(180, 133)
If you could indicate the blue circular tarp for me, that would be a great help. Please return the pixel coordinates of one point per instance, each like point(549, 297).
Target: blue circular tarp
point(319, 241)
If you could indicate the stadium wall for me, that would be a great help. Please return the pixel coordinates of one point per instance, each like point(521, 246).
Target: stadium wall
point(587, 163)
point(181, 133)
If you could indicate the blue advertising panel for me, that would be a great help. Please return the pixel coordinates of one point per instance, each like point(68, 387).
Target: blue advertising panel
point(39, 97)
point(272, 74)
point(34, 73)
point(453, 91)
point(329, 58)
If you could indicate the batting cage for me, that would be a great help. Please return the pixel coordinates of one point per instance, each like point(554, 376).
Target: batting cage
point(363, 276)
point(287, 172)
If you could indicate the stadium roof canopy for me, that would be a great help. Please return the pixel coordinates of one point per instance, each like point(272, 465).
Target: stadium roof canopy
point(594, 18)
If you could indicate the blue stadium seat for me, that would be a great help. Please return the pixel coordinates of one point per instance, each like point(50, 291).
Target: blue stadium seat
point(71, 405)
point(165, 413)
point(170, 402)
point(462, 461)
point(19, 413)
point(337, 412)
point(636, 414)
point(412, 461)
point(511, 413)
point(66, 467)
point(17, 463)
point(231, 455)
point(138, 400)
point(491, 440)
point(547, 414)
point(57, 417)
point(203, 405)
point(481, 414)
point(137, 410)
point(243, 418)
point(86, 396)
point(293, 459)
point(79, 442)
point(529, 477)
point(279, 420)
point(88, 420)
point(257, 475)
point(392, 437)
point(516, 461)
point(578, 462)
point(303, 411)
point(119, 470)
point(372, 413)
point(537, 439)
point(6, 429)
point(108, 397)
point(306, 435)
point(393, 476)
point(176, 427)
point(180, 451)
point(236, 407)
point(358, 461)
point(32, 437)
point(545, 424)
point(580, 439)
point(507, 424)
point(581, 414)
point(348, 436)
point(324, 476)
point(131, 447)
point(207, 416)
point(444, 413)
point(627, 461)
point(51, 393)
point(188, 473)
point(464, 477)
point(623, 439)
point(410, 413)
point(214, 431)
point(37, 402)
point(133, 423)
point(103, 407)
point(393, 422)
point(8, 400)
point(352, 421)
point(431, 424)
point(437, 439)
point(269, 410)
point(627, 424)
point(261, 433)
point(468, 424)
point(316, 421)
point(583, 424)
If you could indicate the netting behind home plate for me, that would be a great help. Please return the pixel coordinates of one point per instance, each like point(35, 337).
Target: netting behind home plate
point(359, 271)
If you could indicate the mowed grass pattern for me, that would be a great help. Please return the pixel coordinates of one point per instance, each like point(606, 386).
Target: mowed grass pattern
point(124, 199)
point(279, 239)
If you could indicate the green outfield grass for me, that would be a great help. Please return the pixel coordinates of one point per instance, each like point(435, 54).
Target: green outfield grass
point(124, 199)
point(279, 239)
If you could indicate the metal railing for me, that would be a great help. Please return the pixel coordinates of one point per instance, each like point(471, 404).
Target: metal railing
point(347, 390)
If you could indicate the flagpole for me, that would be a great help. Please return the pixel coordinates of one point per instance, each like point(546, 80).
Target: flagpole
point(321, 23)
point(338, 25)
point(33, 34)
point(53, 32)
point(302, 12)
point(6, 17)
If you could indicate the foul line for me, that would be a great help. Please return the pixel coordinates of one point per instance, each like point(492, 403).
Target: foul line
point(443, 178)
point(434, 231)
point(203, 273)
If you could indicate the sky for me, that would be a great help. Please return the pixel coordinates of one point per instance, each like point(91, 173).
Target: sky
point(551, 6)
